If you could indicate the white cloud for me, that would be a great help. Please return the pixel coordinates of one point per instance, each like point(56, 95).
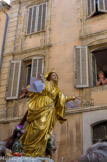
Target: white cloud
point(8, 1)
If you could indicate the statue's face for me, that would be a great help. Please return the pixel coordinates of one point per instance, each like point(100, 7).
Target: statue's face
point(54, 77)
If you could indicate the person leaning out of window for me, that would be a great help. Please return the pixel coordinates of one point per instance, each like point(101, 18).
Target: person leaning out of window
point(25, 92)
point(101, 79)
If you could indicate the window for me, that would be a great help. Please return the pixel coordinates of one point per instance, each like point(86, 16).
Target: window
point(100, 56)
point(89, 65)
point(81, 67)
point(100, 132)
point(20, 73)
point(13, 80)
point(95, 7)
point(37, 66)
point(37, 16)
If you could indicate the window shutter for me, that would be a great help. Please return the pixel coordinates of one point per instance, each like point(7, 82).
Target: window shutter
point(102, 5)
point(94, 70)
point(40, 18)
point(37, 18)
point(81, 67)
point(91, 7)
point(29, 20)
point(33, 19)
point(37, 66)
point(13, 80)
point(44, 16)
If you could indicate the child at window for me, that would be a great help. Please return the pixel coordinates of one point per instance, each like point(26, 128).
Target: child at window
point(101, 79)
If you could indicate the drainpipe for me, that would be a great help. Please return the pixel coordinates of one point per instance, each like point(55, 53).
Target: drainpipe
point(2, 3)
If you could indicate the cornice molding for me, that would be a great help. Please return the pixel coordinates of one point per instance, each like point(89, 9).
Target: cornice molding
point(28, 50)
point(86, 109)
point(103, 32)
point(36, 2)
point(68, 112)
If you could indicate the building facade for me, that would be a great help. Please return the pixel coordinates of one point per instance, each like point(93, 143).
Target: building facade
point(68, 37)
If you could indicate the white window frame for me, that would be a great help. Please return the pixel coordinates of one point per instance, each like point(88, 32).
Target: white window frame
point(37, 15)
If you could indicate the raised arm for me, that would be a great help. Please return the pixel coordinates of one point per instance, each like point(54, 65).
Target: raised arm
point(72, 98)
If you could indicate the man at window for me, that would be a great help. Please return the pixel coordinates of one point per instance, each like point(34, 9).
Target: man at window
point(101, 79)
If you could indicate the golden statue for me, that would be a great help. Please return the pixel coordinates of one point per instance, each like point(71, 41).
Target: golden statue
point(44, 109)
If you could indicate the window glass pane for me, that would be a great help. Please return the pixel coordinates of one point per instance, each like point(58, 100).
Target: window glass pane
point(100, 132)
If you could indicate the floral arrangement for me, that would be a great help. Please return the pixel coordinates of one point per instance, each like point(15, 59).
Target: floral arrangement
point(17, 148)
point(51, 145)
point(20, 130)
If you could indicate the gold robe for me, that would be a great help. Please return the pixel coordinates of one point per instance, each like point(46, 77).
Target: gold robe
point(44, 109)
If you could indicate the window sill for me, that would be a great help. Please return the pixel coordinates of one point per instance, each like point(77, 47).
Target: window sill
point(39, 32)
point(98, 88)
point(97, 17)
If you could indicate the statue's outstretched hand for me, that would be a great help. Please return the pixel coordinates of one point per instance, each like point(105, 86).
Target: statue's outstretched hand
point(77, 97)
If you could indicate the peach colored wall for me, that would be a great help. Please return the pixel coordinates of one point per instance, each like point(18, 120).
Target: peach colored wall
point(65, 35)
point(95, 24)
point(99, 94)
point(31, 42)
point(68, 138)
point(2, 26)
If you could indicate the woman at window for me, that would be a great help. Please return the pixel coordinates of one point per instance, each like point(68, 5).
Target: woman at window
point(101, 79)
point(44, 109)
